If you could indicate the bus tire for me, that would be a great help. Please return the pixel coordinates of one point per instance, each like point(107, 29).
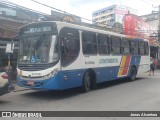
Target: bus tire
point(86, 85)
point(133, 73)
point(93, 84)
point(93, 80)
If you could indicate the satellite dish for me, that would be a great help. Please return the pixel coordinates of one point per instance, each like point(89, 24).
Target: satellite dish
point(117, 27)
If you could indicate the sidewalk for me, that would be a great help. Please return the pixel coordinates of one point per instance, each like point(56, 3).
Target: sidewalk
point(146, 75)
point(18, 88)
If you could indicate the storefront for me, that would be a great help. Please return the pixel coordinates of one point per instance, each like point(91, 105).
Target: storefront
point(4, 57)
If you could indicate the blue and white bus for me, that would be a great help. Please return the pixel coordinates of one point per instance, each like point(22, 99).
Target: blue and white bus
point(59, 55)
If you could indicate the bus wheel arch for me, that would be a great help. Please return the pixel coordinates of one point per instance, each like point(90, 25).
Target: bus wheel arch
point(133, 73)
point(89, 80)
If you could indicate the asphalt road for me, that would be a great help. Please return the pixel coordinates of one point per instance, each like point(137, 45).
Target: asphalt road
point(141, 95)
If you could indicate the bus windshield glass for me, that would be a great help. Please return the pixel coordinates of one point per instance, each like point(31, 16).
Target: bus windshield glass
point(40, 49)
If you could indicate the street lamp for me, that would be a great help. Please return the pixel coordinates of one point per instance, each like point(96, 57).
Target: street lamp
point(9, 51)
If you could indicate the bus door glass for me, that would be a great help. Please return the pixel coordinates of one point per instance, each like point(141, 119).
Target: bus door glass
point(70, 45)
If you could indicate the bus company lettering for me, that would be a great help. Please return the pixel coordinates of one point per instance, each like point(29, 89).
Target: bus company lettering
point(108, 60)
point(33, 74)
point(89, 62)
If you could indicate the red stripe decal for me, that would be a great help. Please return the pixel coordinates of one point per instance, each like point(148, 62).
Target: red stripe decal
point(126, 66)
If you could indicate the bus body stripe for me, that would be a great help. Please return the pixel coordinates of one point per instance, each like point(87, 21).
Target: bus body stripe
point(122, 65)
point(126, 67)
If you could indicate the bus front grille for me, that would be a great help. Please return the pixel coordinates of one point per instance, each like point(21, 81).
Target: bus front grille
point(34, 67)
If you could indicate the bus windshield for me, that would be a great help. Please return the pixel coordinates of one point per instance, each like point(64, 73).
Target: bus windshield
point(40, 49)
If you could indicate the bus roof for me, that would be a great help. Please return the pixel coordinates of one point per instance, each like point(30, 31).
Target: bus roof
point(83, 26)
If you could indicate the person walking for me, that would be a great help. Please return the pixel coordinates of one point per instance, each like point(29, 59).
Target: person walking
point(151, 66)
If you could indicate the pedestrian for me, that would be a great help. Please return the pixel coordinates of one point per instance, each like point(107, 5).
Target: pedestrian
point(151, 66)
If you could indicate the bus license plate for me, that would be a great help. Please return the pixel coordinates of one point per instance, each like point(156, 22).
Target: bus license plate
point(30, 83)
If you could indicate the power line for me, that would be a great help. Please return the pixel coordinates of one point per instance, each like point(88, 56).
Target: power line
point(71, 14)
point(18, 7)
point(151, 2)
point(59, 10)
point(155, 1)
point(146, 2)
point(13, 5)
point(49, 6)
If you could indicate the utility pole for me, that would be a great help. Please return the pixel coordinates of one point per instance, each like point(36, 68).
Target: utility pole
point(159, 25)
point(9, 51)
point(159, 35)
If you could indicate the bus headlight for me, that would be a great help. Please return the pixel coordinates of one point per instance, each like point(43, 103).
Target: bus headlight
point(47, 76)
point(51, 74)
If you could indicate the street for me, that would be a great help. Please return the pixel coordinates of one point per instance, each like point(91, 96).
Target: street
point(140, 95)
point(65, 44)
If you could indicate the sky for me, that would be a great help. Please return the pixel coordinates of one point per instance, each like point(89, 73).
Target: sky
point(84, 8)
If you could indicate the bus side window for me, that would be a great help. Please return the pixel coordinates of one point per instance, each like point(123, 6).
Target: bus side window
point(146, 48)
point(89, 43)
point(116, 45)
point(141, 48)
point(126, 46)
point(134, 47)
point(62, 46)
point(70, 45)
point(103, 42)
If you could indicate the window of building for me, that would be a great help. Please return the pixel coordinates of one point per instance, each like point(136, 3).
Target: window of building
point(103, 41)
point(112, 20)
point(89, 43)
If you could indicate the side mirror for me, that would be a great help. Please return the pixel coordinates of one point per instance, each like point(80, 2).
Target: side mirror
point(9, 48)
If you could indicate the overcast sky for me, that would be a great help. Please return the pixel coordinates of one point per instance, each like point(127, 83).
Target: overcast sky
point(84, 8)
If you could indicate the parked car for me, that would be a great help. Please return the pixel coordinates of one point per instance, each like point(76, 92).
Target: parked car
point(4, 84)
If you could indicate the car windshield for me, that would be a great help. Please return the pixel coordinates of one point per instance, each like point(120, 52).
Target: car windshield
point(38, 49)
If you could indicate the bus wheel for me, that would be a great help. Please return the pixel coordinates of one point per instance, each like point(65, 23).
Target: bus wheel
point(133, 74)
point(86, 82)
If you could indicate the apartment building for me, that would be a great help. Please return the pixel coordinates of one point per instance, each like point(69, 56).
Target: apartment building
point(112, 14)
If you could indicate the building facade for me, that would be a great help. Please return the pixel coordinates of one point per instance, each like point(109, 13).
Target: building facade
point(12, 17)
point(152, 20)
point(112, 14)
